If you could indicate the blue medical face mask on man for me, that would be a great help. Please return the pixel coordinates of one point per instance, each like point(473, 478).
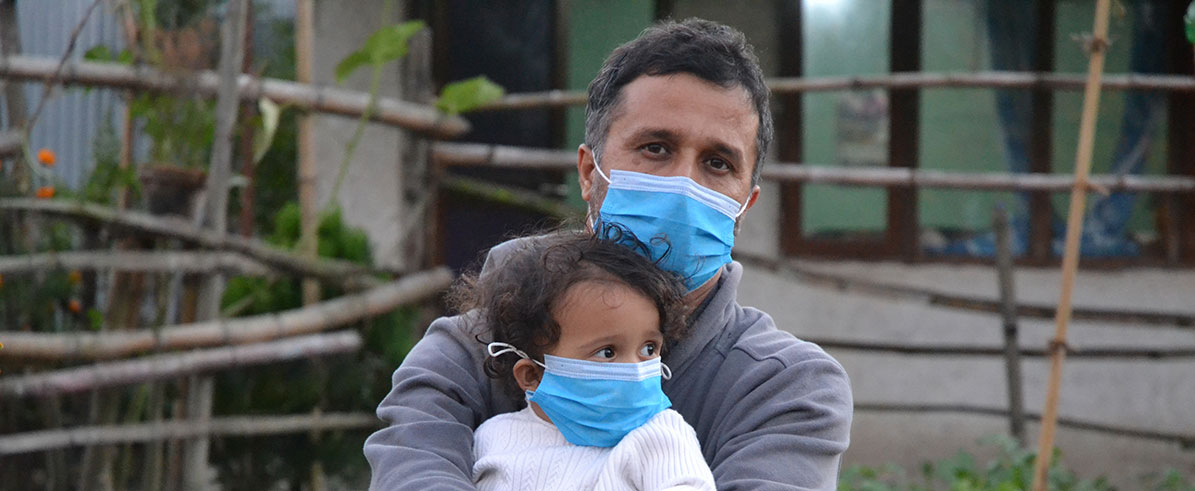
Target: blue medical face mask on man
point(592, 403)
point(696, 223)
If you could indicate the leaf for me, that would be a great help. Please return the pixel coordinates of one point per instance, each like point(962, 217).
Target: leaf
point(467, 95)
point(270, 113)
point(350, 64)
point(1189, 20)
point(383, 46)
point(98, 53)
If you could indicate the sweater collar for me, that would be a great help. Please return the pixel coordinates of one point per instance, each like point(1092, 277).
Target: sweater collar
point(711, 318)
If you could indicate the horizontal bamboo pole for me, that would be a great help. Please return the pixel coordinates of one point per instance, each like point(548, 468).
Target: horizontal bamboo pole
point(84, 436)
point(167, 366)
point(500, 156)
point(409, 115)
point(982, 80)
point(344, 273)
point(135, 261)
point(511, 196)
point(310, 319)
point(1185, 440)
point(538, 100)
point(900, 80)
point(968, 350)
point(1128, 317)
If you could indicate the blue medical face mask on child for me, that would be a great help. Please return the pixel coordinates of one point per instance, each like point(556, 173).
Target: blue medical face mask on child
point(595, 404)
point(696, 222)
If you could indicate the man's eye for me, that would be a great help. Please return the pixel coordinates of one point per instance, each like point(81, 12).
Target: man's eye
point(654, 148)
point(719, 164)
point(605, 353)
point(648, 350)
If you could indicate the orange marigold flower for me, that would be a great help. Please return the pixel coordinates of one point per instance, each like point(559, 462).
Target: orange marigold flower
point(45, 192)
point(74, 306)
point(75, 277)
point(46, 157)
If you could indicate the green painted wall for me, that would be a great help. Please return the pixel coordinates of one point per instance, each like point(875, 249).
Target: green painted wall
point(595, 28)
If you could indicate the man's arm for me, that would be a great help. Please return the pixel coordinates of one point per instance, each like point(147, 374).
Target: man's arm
point(784, 423)
point(436, 400)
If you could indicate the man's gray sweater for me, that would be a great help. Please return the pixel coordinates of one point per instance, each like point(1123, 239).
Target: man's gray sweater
point(771, 411)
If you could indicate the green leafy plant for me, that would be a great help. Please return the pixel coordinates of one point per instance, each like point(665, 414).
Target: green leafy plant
point(256, 463)
point(1011, 470)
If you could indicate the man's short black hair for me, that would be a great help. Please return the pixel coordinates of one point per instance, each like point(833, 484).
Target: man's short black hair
point(713, 52)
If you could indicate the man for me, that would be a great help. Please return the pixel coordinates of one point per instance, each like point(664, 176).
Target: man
point(681, 114)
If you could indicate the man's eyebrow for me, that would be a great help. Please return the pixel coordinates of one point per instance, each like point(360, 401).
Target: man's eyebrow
point(729, 151)
point(654, 134)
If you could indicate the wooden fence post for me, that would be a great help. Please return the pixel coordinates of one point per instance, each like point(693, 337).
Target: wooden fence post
point(1008, 312)
point(195, 470)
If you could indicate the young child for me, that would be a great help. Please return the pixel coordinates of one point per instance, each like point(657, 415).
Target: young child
point(575, 326)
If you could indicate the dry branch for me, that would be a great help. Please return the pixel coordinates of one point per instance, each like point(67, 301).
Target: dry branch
point(37, 441)
point(1186, 441)
point(158, 367)
point(310, 319)
point(135, 261)
point(416, 117)
point(1130, 318)
point(347, 274)
point(468, 154)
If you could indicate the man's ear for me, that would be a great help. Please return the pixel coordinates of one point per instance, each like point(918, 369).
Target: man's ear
point(754, 196)
point(585, 168)
point(527, 374)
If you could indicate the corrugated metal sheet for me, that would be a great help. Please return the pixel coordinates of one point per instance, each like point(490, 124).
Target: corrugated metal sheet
point(71, 117)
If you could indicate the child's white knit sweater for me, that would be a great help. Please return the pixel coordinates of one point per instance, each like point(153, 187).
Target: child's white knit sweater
point(521, 451)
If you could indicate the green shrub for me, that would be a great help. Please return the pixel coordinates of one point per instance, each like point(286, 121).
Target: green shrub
point(1011, 470)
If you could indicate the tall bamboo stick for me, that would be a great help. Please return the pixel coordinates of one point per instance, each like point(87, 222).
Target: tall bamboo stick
point(304, 48)
point(1074, 227)
point(201, 388)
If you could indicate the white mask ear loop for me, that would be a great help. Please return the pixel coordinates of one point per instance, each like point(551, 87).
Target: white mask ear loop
point(598, 166)
point(498, 349)
point(742, 208)
point(665, 372)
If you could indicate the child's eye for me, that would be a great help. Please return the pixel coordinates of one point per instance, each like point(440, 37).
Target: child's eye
point(605, 353)
point(648, 350)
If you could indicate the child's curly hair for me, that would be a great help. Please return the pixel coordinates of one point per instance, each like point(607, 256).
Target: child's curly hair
point(515, 299)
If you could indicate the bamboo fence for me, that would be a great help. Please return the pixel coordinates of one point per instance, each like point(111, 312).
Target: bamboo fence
point(169, 366)
point(501, 156)
point(136, 261)
point(894, 81)
point(40, 441)
point(340, 272)
point(222, 332)
point(420, 118)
